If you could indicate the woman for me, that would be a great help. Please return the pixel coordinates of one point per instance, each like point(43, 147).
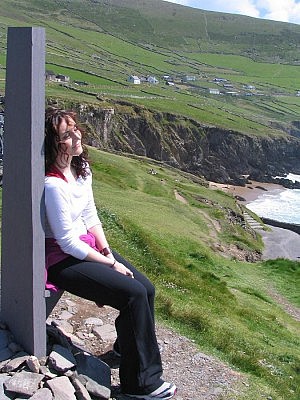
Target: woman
point(79, 260)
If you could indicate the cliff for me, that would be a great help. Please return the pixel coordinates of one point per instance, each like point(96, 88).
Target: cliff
point(217, 154)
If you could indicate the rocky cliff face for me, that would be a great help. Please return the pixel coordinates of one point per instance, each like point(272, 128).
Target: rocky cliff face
point(217, 154)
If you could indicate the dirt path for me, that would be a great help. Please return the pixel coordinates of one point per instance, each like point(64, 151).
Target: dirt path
point(179, 197)
point(198, 376)
point(289, 308)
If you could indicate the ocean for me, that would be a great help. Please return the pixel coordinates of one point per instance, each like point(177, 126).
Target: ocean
point(280, 205)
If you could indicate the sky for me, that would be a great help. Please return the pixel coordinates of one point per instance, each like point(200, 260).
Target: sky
point(277, 10)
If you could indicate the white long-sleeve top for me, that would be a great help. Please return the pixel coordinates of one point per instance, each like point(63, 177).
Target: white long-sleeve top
point(70, 212)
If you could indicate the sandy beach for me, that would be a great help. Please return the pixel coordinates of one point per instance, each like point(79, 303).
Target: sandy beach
point(279, 242)
point(247, 193)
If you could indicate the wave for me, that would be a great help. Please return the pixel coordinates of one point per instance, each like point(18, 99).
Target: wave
point(280, 205)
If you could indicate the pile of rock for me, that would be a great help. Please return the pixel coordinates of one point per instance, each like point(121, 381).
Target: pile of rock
point(68, 372)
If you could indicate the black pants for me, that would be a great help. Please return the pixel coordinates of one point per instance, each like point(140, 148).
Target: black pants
point(140, 364)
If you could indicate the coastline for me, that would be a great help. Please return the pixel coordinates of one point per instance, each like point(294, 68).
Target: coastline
point(250, 192)
point(283, 239)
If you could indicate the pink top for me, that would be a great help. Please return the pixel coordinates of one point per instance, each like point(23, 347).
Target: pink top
point(54, 254)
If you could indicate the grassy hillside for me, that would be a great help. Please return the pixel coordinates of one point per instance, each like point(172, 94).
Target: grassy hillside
point(102, 43)
point(190, 251)
point(224, 304)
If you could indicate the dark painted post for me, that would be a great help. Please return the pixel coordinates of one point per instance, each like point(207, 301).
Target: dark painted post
point(22, 272)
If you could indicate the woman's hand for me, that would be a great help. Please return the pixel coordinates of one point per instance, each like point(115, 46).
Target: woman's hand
point(119, 267)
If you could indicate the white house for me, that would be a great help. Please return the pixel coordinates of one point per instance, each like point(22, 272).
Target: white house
point(232, 93)
point(214, 91)
point(62, 78)
point(220, 80)
point(134, 79)
point(51, 76)
point(152, 80)
point(188, 78)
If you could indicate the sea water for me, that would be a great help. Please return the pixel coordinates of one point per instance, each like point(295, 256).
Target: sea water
point(279, 205)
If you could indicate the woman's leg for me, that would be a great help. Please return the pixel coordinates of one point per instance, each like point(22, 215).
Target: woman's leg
point(145, 282)
point(140, 365)
point(141, 278)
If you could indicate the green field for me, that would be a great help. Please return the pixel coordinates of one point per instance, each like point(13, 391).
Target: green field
point(103, 45)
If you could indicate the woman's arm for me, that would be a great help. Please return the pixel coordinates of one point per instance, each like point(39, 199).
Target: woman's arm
point(101, 243)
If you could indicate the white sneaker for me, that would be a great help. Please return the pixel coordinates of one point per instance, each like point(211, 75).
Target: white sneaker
point(165, 391)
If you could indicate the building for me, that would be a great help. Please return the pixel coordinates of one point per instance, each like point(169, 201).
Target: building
point(62, 78)
point(134, 79)
point(152, 80)
point(220, 80)
point(232, 93)
point(188, 78)
point(52, 76)
point(214, 91)
point(81, 83)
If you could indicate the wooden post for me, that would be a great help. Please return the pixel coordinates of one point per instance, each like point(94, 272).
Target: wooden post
point(22, 274)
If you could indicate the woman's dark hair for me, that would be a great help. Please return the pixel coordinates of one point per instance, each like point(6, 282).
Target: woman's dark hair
point(53, 119)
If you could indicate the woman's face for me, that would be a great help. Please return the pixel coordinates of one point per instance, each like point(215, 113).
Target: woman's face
point(69, 138)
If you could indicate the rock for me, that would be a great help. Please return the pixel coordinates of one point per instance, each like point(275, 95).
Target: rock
point(33, 364)
point(201, 356)
point(97, 390)
point(66, 339)
point(60, 349)
point(93, 321)
point(81, 391)
point(240, 198)
point(42, 394)
point(70, 303)
point(24, 383)
point(106, 332)
point(16, 362)
point(3, 379)
point(46, 372)
point(56, 336)
point(62, 388)
point(95, 373)
point(61, 359)
point(65, 315)
point(63, 325)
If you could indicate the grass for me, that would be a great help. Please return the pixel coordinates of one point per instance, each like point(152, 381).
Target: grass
point(223, 304)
